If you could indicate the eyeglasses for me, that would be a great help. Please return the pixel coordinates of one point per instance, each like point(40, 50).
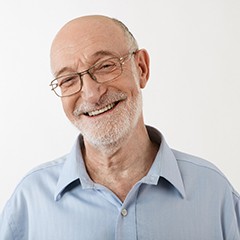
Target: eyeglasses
point(101, 72)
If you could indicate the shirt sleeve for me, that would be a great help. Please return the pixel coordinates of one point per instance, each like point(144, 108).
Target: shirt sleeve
point(6, 232)
point(238, 212)
point(234, 231)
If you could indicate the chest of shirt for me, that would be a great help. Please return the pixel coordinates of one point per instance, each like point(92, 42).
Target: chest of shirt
point(149, 212)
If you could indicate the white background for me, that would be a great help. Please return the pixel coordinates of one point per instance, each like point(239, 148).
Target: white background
point(193, 95)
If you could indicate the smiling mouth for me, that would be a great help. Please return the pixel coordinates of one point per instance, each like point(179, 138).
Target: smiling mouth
point(101, 111)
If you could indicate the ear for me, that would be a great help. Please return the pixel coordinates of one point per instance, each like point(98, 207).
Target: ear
point(142, 64)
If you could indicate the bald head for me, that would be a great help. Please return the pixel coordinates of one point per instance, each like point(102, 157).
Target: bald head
point(125, 29)
point(86, 34)
point(92, 19)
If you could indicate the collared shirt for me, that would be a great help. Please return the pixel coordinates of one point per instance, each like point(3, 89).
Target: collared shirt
point(182, 197)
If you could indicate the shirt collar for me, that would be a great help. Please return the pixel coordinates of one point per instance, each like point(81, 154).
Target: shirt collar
point(73, 170)
point(165, 165)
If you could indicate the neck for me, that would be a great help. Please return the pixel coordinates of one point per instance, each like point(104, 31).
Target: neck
point(121, 166)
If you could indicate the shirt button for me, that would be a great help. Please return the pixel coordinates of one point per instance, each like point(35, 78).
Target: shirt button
point(124, 212)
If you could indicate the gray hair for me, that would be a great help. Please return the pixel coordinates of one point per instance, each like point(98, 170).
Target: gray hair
point(131, 39)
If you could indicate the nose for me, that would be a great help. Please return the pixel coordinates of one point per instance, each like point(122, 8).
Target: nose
point(91, 90)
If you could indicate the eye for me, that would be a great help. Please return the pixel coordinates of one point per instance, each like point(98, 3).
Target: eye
point(67, 81)
point(106, 66)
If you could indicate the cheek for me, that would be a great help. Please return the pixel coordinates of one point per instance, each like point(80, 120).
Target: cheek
point(68, 107)
point(134, 88)
point(130, 83)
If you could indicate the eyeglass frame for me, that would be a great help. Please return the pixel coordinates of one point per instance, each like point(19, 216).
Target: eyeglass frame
point(121, 60)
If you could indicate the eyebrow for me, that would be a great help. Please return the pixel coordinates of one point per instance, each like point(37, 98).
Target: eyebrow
point(98, 54)
point(103, 53)
point(64, 69)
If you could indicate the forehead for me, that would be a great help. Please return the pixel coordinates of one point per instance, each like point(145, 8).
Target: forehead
point(80, 40)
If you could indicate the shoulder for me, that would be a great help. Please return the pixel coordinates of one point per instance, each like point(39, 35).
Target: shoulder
point(203, 172)
point(44, 171)
point(35, 188)
point(195, 162)
point(46, 167)
point(39, 180)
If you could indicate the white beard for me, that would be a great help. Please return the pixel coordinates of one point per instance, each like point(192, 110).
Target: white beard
point(113, 129)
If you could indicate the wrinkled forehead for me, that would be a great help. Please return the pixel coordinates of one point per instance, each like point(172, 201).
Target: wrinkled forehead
point(84, 37)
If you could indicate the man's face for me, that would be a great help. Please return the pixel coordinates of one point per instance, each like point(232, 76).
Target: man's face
point(104, 113)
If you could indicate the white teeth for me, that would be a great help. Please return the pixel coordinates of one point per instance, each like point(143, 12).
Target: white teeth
point(99, 111)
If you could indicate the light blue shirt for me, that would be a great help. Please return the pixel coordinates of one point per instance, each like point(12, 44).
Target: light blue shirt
point(181, 198)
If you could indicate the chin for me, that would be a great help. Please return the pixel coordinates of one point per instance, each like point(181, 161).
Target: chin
point(107, 134)
point(114, 129)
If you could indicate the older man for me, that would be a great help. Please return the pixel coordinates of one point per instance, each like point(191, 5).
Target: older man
point(120, 180)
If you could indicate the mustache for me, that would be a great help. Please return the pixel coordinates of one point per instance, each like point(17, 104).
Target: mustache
point(105, 100)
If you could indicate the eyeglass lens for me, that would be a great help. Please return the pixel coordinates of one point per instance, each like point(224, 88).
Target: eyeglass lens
point(103, 71)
